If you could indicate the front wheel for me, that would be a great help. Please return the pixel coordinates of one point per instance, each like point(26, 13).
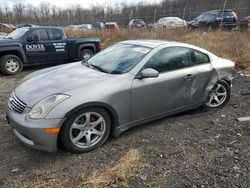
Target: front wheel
point(86, 130)
point(86, 54)
point(10, 65)
point(219, 95)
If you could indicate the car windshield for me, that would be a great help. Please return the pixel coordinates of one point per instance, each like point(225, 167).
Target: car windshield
point(18, 33)
point(118, 59)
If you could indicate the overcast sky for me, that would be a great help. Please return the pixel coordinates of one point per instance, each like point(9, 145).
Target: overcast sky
point(83, 3)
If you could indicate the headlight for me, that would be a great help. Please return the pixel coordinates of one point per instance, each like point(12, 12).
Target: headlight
point(41, 109)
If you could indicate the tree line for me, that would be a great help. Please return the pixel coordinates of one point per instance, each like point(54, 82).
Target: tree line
point(47, 14)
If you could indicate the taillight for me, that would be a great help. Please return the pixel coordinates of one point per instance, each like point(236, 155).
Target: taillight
point(235, 67)
point(100, 45)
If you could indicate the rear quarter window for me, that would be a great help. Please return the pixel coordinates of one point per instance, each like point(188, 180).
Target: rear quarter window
point(200, 58)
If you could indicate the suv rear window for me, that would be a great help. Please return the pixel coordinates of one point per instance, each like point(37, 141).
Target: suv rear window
point(226, 13)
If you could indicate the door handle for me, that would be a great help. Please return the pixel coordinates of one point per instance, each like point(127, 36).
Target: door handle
point(189, 76)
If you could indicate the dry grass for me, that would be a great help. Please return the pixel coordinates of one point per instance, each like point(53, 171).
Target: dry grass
point(119, 174)
point(127, 167)
point(230, 45)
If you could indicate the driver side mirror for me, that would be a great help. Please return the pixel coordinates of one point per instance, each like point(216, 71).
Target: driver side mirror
point(149, 73)
point(33, 38)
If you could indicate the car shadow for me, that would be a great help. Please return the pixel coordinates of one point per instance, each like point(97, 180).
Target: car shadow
point(172, 118)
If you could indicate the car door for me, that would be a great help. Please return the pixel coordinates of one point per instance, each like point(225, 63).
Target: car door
point(38, 47)
point(168, 92)
point(202, 71)
point(59, 44)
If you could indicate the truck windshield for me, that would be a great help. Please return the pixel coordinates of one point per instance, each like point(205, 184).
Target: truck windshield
point(118, 59)
point(18, 33)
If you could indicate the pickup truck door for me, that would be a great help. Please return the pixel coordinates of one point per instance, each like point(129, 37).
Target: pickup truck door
point(38, 47)
point(59, 44)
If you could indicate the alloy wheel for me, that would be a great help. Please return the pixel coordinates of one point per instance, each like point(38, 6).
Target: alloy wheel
point(86, 55)
point(217, 96)
point(87, 130)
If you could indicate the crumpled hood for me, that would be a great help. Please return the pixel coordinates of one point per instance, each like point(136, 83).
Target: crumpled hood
point(57, 80)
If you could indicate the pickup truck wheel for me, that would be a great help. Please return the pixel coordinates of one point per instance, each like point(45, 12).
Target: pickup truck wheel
point(10, 65)
point(86, 54)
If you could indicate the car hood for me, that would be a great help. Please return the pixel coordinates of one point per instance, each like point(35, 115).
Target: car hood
point(7, 42)
point(57, 80)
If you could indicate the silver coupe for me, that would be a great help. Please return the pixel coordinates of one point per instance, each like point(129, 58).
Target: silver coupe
point(130, 83)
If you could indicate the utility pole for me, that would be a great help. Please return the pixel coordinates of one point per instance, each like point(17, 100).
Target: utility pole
point(224, 6)
point(155, 15)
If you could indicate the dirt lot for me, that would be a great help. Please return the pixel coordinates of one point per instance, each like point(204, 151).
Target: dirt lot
point(192, 149)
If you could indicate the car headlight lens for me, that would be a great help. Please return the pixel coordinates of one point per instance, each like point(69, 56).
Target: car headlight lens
point(41, 109)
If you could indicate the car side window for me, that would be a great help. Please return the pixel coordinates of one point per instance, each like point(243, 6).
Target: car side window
point(56, 34)
point(40, 34)
point(200, 58)
point(171, 58)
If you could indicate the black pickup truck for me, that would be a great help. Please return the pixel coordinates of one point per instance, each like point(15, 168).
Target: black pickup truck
point(38, 45)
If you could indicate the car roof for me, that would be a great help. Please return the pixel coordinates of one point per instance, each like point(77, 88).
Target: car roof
point(155, 43)
point(226, 10)
point(147, 43)
point(44, 27)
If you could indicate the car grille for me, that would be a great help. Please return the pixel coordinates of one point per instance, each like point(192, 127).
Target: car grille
point(16, 104)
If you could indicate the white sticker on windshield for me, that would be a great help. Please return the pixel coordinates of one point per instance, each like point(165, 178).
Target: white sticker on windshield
point(141, 50)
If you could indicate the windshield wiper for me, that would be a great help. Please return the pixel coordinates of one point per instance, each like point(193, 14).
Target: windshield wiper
point(87, 64)
point(98, 68)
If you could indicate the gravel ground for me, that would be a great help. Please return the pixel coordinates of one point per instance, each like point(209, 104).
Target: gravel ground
point(191, 149)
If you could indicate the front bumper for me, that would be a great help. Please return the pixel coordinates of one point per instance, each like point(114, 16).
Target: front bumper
point(31, 132)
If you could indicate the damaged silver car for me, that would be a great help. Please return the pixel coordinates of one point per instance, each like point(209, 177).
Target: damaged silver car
point(127, 84)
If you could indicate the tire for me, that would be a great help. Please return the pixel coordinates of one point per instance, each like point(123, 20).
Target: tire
point(190, 28)
point(218, 96)
point(86, 130)
point(86, 54)
point(10, 65)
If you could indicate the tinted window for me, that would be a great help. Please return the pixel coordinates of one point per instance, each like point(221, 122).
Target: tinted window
point(227, 14)
point(56, 34)
point(200, 58)
point(171, 58)
point(41, 34)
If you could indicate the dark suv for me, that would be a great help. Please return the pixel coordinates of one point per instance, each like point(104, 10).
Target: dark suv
point(213, 19)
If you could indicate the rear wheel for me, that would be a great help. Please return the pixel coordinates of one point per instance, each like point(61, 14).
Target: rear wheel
point(10, 65)
point(219, 95)
point(190, 28)
point(86, 130)
point(86, 54)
